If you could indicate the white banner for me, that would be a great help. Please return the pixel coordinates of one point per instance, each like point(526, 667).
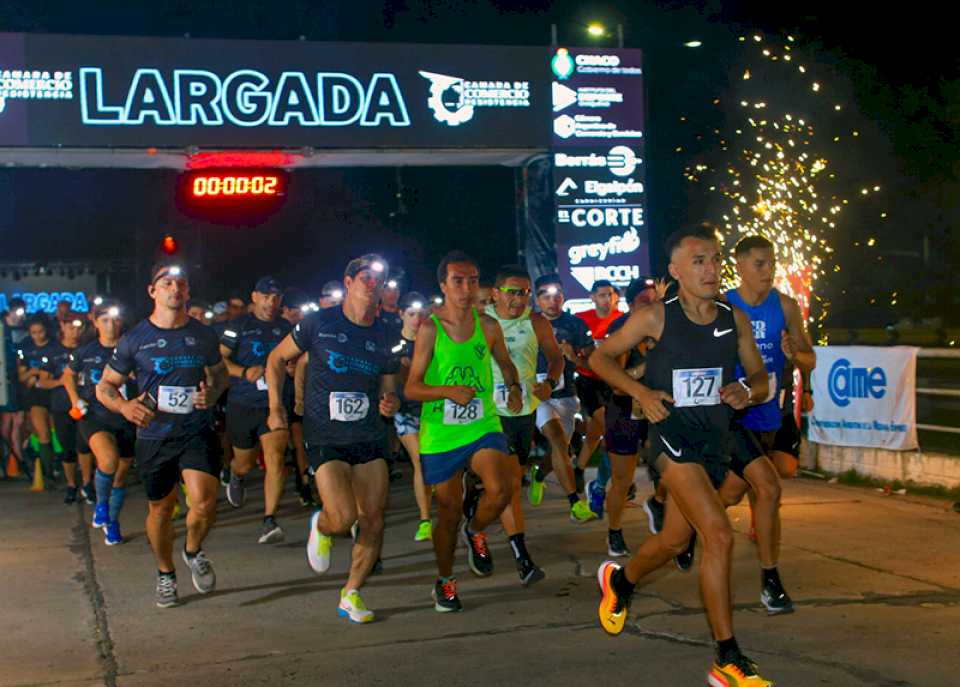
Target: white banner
point(865, 396)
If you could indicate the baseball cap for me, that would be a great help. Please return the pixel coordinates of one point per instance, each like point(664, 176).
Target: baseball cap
point(268, 285)
point(638, 286)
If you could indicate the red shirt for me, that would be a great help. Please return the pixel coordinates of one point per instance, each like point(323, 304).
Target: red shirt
point(598, 330)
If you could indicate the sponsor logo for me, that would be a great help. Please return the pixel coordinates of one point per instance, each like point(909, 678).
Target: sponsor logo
point(621, 275)
point(370, 346)
point(602, 217)
point(845, 382)
point(591, 126)
point(190, 341)
point(454, 99)
point(676, 452)
point(759, 329)
point(341, 338)
point(620, 160)
point(615, 245)
point(563, 97)
point(34, 84)
point(613, 188)
point(566, 186)
point(277, 331)
point(562, 64)
point(717, 333)
point(161, 343)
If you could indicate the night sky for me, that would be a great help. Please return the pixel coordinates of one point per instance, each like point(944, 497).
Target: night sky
point(898, 73)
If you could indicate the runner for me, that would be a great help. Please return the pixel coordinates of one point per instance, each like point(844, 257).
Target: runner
point(594, 392)
point(556, 416)
point(451, 375)
point(692, 370)
point(295, 306)
point(180, 374)
point(71, 329)
point(413, 311)
point(11, 414)
point(350, 377)
point(331, 295)
point(389, 305)
point(33, 369)
point(626, 429)
point(526, 334)
point(109, 436)
point(198, 310)
point(245, 345)
point(782, 338)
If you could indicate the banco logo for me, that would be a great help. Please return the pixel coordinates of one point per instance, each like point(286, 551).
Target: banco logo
point(845, 382)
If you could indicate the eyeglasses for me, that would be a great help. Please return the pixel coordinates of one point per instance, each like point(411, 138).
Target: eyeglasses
point(514, 293)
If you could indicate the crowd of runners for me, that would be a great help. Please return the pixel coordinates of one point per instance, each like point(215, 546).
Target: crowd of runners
point(486, 391)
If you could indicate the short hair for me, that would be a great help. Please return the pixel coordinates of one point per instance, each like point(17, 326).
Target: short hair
point(601, 283)
point(197, 303)
point(41, 319)
point(236, 295)
point(510, 272)
point(454, 256)
point(17, 303)
point(162, 266)
point(748, 243)
point(547, 279)
point(638, 286)
point(703, 231)
point(412, 297)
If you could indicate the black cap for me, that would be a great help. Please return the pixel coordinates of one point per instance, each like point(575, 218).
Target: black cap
point(600, 283)
point(268, 285)
point(638, 286)
point(294, 298)
point(546, 280)
point(331, 287)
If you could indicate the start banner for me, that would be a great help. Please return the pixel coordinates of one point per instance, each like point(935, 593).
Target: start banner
point(865, 396)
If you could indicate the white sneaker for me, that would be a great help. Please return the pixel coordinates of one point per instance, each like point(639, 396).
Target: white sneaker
point(319, 547)
point(352, 607)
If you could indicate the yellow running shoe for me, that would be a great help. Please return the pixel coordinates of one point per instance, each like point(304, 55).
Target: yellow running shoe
point(536, 488)
point(352, 607)
point(741, 672)
point(580, 512)
point(613, 608)
point(424, 531)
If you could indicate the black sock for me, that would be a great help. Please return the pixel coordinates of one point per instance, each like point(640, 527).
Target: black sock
point(46, 459)
point(727, 650)
point(190, 555)
point(621, 585)
point(578, 473)
point(573, 498)
point(613, 531)
point(167, 574)
point(771, 577)
point(268, 518)
point(519, 547)
point(539, 474)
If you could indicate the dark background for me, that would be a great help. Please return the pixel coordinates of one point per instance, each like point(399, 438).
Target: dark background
point(896, 73)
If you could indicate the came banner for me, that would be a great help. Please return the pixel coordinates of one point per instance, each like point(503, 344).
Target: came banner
point(865, 396)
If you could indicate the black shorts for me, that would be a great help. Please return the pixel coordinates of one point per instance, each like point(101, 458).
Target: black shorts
point(245, 426)
point(66, 429)
point(160, 462)
point(359, 453)
point(519, 431)
point(593, 394)
point(707, 449)
point(36, 397)
point(622, 434)
point(124, 434)
point(745, 447)
point(787, 438)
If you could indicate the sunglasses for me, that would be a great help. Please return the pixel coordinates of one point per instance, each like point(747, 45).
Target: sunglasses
point(514, 293)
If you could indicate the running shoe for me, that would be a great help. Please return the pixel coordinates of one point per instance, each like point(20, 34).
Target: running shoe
point(685, 559)
point(201, 570)
point(352, 607)
point(739, 672)
point(655, 511)
point(776, 600)
point(613, 608)
point(101, 515)
point(596, 495)
point(424, 531)
point(529, 572)
point(271, 532)
point(632, 492)
point(225, 476)
point(536, 488)
point(580, 512)
point(236, 491)
point(70, 495)
point(478, 555)
point(177, 511)
point(88, 493)
point(111, 533)
point(166, 594)
point(319, 547)
point(616, 545)
point(445, 599)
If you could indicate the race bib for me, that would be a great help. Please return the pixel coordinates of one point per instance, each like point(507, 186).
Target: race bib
point(697, 387)
point(454, 414)
point(542, 377)
point(348, 406)
point(261, 384)
point(177, 400)
point(501, 395)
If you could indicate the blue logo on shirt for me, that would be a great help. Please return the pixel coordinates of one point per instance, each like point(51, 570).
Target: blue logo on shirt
point(845, 382)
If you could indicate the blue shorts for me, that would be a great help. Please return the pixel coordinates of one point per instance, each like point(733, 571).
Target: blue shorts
point(440, 467)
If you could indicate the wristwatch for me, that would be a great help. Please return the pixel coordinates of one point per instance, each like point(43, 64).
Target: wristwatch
point(553, 383)
point(743, 383)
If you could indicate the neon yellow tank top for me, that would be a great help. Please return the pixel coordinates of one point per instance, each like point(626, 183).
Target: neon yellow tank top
point(444, 425)
point(523, 346)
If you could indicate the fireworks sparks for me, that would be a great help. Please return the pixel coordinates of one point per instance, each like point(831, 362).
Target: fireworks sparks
point(776, 179)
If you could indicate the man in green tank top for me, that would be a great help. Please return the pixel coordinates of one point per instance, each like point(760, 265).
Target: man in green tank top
point(451, 375)
point(525, 335)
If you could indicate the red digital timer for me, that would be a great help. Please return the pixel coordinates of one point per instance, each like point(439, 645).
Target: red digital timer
point(216, 185)
point(234, 195)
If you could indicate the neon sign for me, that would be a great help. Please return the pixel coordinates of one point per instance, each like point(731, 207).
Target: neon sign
point(245, 98)
point(46, 301)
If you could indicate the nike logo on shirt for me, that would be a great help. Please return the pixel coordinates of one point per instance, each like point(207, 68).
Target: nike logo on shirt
point(717, 333)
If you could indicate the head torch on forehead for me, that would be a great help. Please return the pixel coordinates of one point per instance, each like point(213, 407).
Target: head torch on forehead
point(173, 271)
point(372, 262)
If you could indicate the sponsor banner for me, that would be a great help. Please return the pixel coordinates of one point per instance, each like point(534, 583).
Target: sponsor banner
point(85, 91)
point(865, 396)
point(598, 168)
